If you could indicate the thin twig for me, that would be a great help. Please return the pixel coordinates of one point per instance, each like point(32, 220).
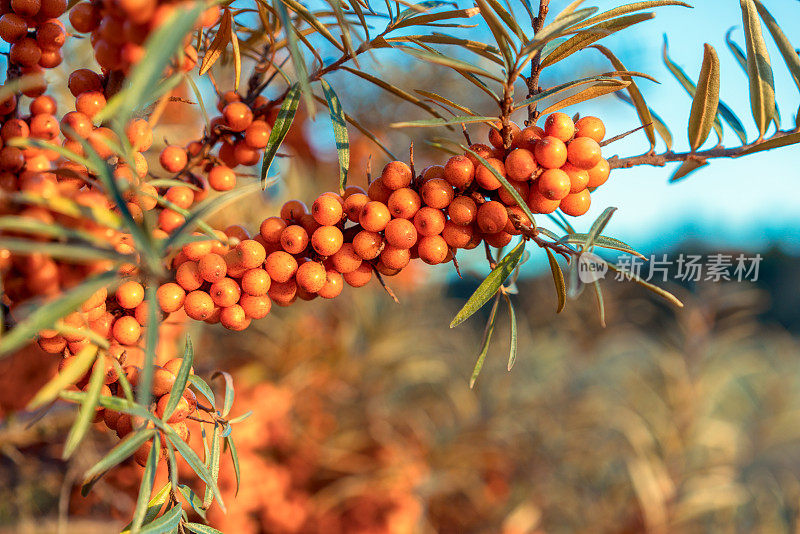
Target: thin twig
point(385, 287)
point(622, 135)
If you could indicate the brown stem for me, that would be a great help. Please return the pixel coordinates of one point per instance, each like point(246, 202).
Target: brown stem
point(660, 160)
point(536, 63)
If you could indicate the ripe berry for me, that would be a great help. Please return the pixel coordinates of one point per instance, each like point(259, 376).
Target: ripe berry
point(327, 210)
point(237, 231)
point(51, 35)
point(492, 217)
point(83, 80)
point(327, 240)
point(374, 216)
point(346, 260)
point(84, 17)
point(271, 228)
point(395, 258)
point(233, 317)
point(429, 221)
point(353, 205)
point(396, 175)
point(44, 127)
point(126, 330)
point(294, 239)
point(482, 150)
point(401, 233)
point(173, 158)
point(520, 187)
point(520, 164)
point(42, 105)
point(578, 178)
point(432, 171)
point(225, 292)
point(198, 305)
point(12, 27)
point(334, 283)
point(459, 171)
point(437, 193)
point(292, 210)
point(170, 297)
point(138, 131)
point(255, 282)
point(255, 307)
point(404, 203)
point(598, 174)
point(212, 267)
point(498, 240)
point(457, 236)
point(283, 293)
point(560, 126)
point(238, 116)
point(583, 152)
point(368, 244)
point(554, 184)
point(432, 249)
point(485, 178)
point(257, 134)
point(280, 266)
point(92, 102)
point(590, 127)
point(360, 277)
point(462, 210)
point(130, 294)
point(538, 203)
point(311, 276)
point(576, 204)
point(528, 137)
point(550, 152)
point(180, 195)
point(496, 138)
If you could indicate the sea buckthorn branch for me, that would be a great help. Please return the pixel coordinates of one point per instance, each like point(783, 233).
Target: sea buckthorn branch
point(532, 82)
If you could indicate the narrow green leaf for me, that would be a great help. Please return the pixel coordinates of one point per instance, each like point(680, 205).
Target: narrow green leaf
point(776, 142)
point(489, 287)
point(424, 20)
point(194, 462)
point(759, 70)
point(601, 241)
point(446, 101)
point(629, 8)
point(639, 104)
point(687, 167)
point(563, 87)
point(658, 123)
point(204, 389)
point(663, 293)
point(69, 252)
point(123, 450)
point(46, 316)
point(279, 130)
point(508, 19)
point(447, 61)
point(296, 54)
point(741, 59)
point(484, 50)
point(595, 91)
point(145, 386)
point(558, 280)
point(499, 32)
point(235, 459)
point(237, 57)
point(87, 410)
point(200, 528)
point(26, 225)
point(512, 316)
point(432, 123)
point(229, 391)
point(592, 34)
point(598, 293)
point(71, 373)
point(788, 51)
point(193, 499)
point(154, 506)
point(212, 462)
point(339, 131)
point(167, 523)
point(706, 100)
point(181, 379)
point(314, 22)
point(487, 338)
point(146, 486)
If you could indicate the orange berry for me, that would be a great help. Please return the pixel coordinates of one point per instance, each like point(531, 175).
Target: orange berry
point(598, 174)
point(374, 216)
point(294, 239)
point(550, 152)
point(283, 293)
point(126, 330)
point(395, 258)
point(311, 276)
point(222, 178)
point(485, 178)
point(198, 305)
point(225, 292)
point(327, 210)
point(212, 267)
point(42, 105)
point(180, 195)
point(590, 127)
point(12, 27)
point(378, 192)
point(334, 283)
point(429, 221)
point(233, 317)
point(576, 204)
point(181, 411)
point(327, 240)
point(538, 203)
point(583, 152)
point(238, 116)
point(84, 17)
point(404, 203)
point(76, 125)
point(432, 171)
point(51, 9)
point(173, 158)
point(255, 306)
point(44, 127)
point(459, 171)
point(396, 175)
point(560, 126)
point(271, 229)
point(492, 217)
point(255, 282)
point(237, 231)
point(437, 193)
point(520, 164)
point(257, 134)
point(346, 260)
point(170, 297)
point(462, 210)
point(578, 178)
point(528, 137)
point(280, 266)
point(130, 294)
point(82, 80)
point(188, 276)
point(482, 150)
point(554, 184)
point(292, 210)
point(457, 236)
point(401, 233)
point(498, 240)
point(368, 244)
point(25, 51)
point(353, 205)
point(360, 277)
point(196, 250)
point(352, 190)
point(432, 249)
point(496, 138)
point(505, 197)
point(142, 312)
point(249, 254)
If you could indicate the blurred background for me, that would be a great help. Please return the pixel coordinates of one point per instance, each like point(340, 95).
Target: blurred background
point(664, 421)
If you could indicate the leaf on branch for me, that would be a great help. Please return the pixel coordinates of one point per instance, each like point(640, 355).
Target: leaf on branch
point(72, 372)
point(237, 57)
point(558, 280)
point(123, 450)
point(645, 118)
point(279, 130)
point(788, 52)
point(299, 62)
point(508, 18)
point(446, 101)
point(313, 21)
point(430, 123)
point(598, 226)
point(688, 167)
point(487, 338)
point(423, 20)
point(166, 523)
point(146, 486)
point(601, 308)
point(588, 36)
point(153, 506)
point(339, 131)
point(482, 49)
point(453, 63)
point(759, 70)
point(491, 284)
point(181, 378)
point(630, 8)
point(706, 100)
point(741, 59)
point(663, 293)
point(561, 88)
point(658, 123)
point(595, 91)
point(776, 142)
point(512, 317)
point(220, 42)
point(87, 410)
